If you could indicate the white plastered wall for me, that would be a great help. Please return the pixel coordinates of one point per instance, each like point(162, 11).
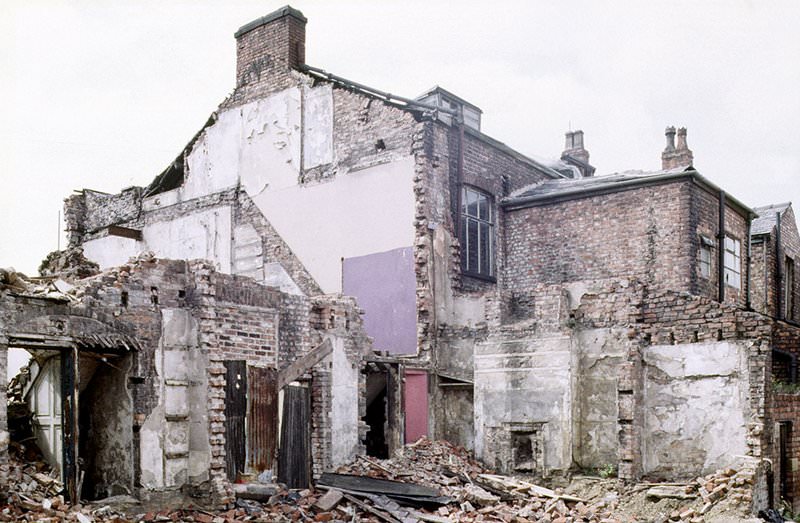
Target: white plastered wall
point(696, 404)
point(258, 145)
point(344, 409)
point(111, 251)
point(201, 235)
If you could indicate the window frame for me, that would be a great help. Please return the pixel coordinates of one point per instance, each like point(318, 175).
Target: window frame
point(788, 288)
point(734, 269)
point(482, 223)
point(705, 261)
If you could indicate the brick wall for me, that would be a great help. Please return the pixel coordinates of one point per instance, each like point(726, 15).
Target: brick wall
point(786, 408)
point(763, 281)
point(359, 123)
point(640, 233)
point(3, 421)
point(267, 57)
point(334, 316)
point(790, 248)
point(705, 218)
point(649, 233)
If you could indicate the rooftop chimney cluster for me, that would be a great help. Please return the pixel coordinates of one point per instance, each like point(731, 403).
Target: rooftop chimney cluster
point(676, 156)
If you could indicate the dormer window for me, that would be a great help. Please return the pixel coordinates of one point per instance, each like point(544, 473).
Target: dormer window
point(477, 233)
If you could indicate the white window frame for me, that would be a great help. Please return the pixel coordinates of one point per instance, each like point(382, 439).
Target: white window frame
point(733, 262)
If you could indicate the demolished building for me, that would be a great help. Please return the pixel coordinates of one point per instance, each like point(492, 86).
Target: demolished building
point(544, 317)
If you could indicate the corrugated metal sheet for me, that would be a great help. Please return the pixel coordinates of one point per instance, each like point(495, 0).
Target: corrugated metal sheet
point(262, 420)
point(235, 411)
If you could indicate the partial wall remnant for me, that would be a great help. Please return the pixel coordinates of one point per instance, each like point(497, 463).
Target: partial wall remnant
point(696, 407)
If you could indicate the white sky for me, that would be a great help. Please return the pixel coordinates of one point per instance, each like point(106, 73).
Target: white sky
point(104, 95)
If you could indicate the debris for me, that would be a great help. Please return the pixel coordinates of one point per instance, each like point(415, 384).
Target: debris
point(669, 491)
point(428, 482)
point(329, 500)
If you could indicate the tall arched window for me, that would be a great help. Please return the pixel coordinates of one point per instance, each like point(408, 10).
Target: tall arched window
point(477, 233)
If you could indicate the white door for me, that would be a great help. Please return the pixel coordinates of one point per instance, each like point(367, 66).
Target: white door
point(44, 400)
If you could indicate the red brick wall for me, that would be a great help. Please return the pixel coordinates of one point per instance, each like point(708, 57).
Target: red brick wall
point(763, 282)
point(640, 233)
point(705, 214)
point(790, 247)
point(786, 407)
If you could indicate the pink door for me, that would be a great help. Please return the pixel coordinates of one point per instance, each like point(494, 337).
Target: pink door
point(415, 404)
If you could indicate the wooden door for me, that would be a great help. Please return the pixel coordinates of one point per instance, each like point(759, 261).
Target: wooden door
point(294, 456)
point(235, 412)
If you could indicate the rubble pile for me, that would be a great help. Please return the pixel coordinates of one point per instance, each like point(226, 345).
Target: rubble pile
point(18, 283)
point(725, 490)
point(476, 494)
point(427, 481)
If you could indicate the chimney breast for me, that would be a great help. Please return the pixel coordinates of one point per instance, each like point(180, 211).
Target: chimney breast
point(675, 157)
point(267, 49)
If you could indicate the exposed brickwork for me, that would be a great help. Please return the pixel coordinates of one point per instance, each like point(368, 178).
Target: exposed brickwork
point(790, 248)
point(359, 123)
point(267, 58)
point(274, 247)
point(764, 284)
point(786, 408)
point(334, 316)
point(705, 218)
point(641, 233)
point(3, 421)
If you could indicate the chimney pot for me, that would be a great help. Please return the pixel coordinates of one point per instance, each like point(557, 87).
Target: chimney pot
point(679, 156)
point(682, 140)
point(670, 134)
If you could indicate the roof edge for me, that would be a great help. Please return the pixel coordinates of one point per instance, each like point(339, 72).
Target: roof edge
point(544, 199)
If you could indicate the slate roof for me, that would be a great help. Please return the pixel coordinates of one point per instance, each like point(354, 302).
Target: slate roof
point(767, 218)
point(551, 191)
point(580, 186)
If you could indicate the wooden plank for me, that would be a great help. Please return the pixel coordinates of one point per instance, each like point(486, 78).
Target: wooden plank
point(376, 486)
point(372, 510)
point(69, 422)
point(124, 232)
point(262, 418)
point(235, 411)
point(301, 366)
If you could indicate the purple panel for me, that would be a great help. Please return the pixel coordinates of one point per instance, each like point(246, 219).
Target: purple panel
point(385, 286)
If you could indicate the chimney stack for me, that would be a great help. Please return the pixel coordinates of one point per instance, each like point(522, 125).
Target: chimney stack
point(676, 156)
point(575, 154)
point(574, 146)
point(267, 49)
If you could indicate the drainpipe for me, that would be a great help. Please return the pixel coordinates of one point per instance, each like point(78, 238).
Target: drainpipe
point(721, 248)
point(460, 171)
point(766, 275)
point(779, 313)
point(747, 303)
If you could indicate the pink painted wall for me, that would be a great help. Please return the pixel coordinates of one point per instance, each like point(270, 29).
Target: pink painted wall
point(415, 404)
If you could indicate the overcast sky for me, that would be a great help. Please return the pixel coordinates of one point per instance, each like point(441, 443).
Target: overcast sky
point(104, 95)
